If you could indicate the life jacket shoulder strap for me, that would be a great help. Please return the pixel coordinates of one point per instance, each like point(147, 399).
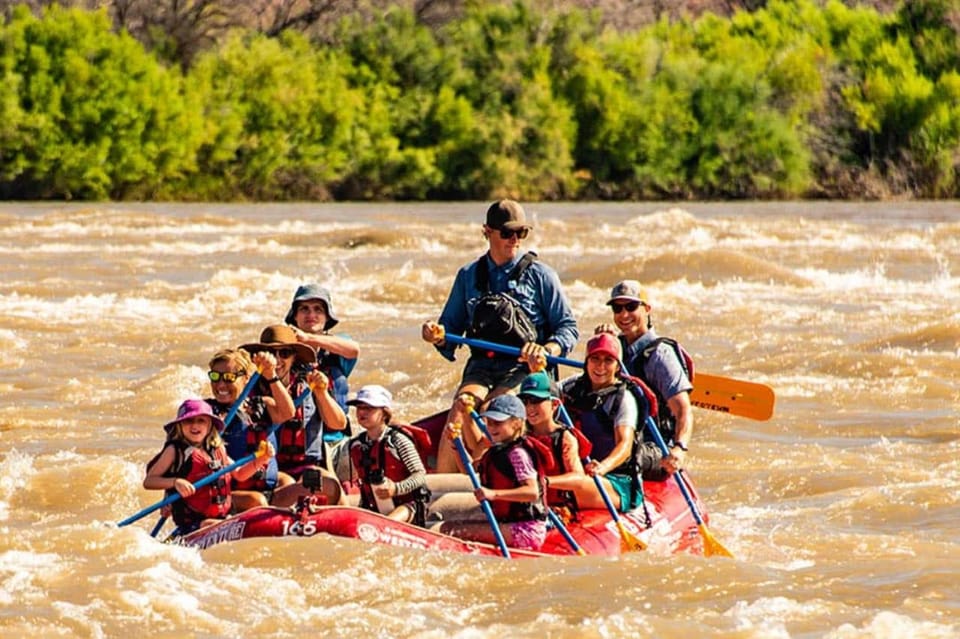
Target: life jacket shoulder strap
point(685, 359)
point(483, 271)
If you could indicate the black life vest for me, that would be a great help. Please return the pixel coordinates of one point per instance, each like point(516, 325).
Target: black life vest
point(585, 403)
point(498, 317)
point(665, 420)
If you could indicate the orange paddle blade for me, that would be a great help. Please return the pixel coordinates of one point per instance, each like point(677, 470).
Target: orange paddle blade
point(734, 396)
point(711, 546)
point(628, 541)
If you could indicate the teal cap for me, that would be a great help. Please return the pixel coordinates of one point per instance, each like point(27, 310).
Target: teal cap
point(538, 385)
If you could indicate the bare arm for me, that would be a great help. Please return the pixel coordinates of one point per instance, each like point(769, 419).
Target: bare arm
point(279, 403)
point(621, 451)
point(528, 491)
point(343, 346)
point(330, 412)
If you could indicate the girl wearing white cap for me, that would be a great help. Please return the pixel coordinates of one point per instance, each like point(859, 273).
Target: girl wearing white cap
point(385, 459)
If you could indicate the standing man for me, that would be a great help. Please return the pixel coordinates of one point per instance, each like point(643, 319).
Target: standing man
point(660, 363)
point(505, 298)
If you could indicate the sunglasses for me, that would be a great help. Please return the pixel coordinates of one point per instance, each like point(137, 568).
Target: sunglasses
point(285, 352)
point(507, 234)
point(629, 307)
point(530, 399)
point(216, 376)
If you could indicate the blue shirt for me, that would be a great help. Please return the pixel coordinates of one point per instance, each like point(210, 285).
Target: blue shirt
point(663, 371)
point(538, 291)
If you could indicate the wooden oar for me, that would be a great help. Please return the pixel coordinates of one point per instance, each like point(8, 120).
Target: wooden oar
point(710, 545)
point(712, 392)
point(628, 541)
point(226, 423)
point(485, 504)
point(209, 479)
point(554, 519)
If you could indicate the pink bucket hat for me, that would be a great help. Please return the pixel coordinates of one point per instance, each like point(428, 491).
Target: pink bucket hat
point(195, 408)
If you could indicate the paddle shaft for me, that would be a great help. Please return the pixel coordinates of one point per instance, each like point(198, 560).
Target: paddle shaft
point(658, 438)
point(484, 504)
point(565, 416)
point(209, 479)
point(711, 392)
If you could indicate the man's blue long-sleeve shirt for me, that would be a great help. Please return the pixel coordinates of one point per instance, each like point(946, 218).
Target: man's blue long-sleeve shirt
point(538, 291)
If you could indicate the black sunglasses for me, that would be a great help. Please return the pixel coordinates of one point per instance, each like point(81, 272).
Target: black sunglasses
point(285, 352)
point(629, 306)
point(216, 376)
point(508, 234)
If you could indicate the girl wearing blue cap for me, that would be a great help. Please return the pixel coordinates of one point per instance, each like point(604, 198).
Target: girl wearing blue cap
point(512, 475)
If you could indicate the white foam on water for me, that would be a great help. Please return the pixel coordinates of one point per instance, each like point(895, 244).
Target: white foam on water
point(892, 625)
point(769, 616)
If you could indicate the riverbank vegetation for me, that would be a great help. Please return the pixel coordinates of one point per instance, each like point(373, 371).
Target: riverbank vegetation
point(801, 99)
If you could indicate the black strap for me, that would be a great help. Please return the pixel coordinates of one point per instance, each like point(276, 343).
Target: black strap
point(483, 271)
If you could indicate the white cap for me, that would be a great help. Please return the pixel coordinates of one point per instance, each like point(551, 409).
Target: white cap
point(372, 395)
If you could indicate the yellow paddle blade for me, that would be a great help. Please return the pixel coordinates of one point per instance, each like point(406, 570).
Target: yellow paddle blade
point(711, 546)
point(734, 396)
point(628, 541)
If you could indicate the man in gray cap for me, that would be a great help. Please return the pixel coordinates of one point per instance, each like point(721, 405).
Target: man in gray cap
point(505, 298)
point(661, 363)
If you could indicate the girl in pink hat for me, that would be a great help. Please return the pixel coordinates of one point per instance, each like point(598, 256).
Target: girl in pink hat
point(194, 450)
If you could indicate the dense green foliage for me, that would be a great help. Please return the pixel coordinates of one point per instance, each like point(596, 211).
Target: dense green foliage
point(798, 99)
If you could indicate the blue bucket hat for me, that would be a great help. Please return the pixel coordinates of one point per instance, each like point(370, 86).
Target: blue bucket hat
point(312, 292)
point(503, 407)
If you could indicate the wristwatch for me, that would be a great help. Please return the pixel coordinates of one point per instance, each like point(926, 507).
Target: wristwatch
point(273, 380)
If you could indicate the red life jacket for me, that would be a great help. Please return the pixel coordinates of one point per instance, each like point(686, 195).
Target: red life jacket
point(258, 481)
point(496, 471)
point(375, 460)
point(292, 437)
point(193, 464)
point(554, 441)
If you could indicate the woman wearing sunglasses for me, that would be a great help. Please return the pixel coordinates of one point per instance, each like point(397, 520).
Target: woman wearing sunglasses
point(506, 298)
point(230, 370)
point(300, 439)
point(661, 363)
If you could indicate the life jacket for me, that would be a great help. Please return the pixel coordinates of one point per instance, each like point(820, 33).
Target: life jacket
point(332, 366)
point(193, 464)
point(496, 471)
point(554, 441)
point(498, 317)
point(665, 420)
point(299, 442)
point(375, 460)
point(243, 435)
point(595, 421)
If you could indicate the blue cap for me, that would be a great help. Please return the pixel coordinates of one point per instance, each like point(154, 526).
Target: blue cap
point(503, 407)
